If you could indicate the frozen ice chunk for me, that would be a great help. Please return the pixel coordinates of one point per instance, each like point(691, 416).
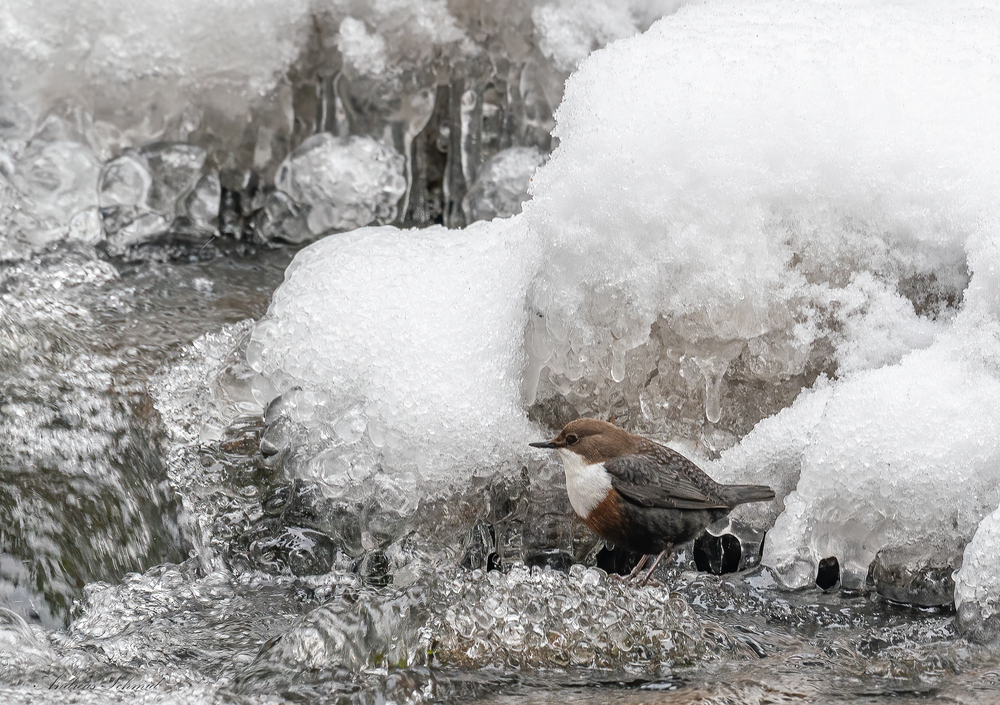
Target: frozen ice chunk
point(919, 574)
point(891, 443)
point(125, 181)
point(880, 326)
point(143, 190)
point(57, 185)
point(392, 56)
point(347, 182)
point(501, 185)
point(977, 583)
point(772, 454)
point(527, 618)
point(16, 123)
point(281, 218)
point(875, 450)
point(382, 39)
point(201, 205)
point(364, 52)
point(175, 170)
point(413, 341)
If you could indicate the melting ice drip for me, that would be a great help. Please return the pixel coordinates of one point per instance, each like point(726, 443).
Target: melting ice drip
point(713, 367)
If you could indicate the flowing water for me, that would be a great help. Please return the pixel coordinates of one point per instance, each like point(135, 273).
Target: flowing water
point(109, 504)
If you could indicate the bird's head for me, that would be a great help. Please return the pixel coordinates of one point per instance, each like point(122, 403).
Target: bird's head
point(595, 441)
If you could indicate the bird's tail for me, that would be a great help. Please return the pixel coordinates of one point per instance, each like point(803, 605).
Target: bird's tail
point(742, 494)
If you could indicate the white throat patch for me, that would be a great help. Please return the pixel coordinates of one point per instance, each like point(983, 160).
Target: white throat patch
point(587, 485)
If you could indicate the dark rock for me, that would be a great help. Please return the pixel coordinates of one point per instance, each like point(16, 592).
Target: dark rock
point(480, 547)
point(917, 575)
point(828, 573)
point(375, 569)
point(279, 550)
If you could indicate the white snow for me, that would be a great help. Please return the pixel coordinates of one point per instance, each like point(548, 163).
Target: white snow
point(569, 30)
point(414, 337)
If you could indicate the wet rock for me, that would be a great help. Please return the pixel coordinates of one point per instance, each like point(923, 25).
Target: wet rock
point(276, 501)
point(84, 500)
point(737, 548)
point(83, 495)
point(916, 575)
point(616, 560)
point(243, 436)
point(480, 548)
point(375, 569)
point(553, 412)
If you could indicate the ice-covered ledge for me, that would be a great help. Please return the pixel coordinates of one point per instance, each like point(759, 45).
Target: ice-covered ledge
point(793, 189)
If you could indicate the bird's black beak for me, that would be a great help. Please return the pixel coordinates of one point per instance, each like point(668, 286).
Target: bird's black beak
point(543, 444)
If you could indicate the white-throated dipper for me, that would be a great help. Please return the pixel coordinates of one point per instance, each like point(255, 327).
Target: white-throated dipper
point(639, 494)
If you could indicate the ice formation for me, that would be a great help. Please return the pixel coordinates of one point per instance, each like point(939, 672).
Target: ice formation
point(138, 66)
point(527, 619)
point(345, 182)
point(724, 218)
point(501, 185)
point(568, 30)
point(245, 84)
point(410, 342)
point(977, 583)
point(143, 191)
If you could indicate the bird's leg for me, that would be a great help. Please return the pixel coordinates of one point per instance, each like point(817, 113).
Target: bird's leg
point(638, 567)
point(664, 552)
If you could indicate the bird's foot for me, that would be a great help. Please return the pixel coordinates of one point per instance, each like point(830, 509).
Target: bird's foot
point(638, 568)
point(665, 553)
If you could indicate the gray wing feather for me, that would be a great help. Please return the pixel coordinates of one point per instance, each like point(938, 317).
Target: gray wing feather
point(662, 478)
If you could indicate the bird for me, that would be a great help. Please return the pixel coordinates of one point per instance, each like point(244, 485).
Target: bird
point(636, 493)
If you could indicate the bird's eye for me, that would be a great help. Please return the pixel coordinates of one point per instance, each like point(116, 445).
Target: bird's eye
point(571, 439)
